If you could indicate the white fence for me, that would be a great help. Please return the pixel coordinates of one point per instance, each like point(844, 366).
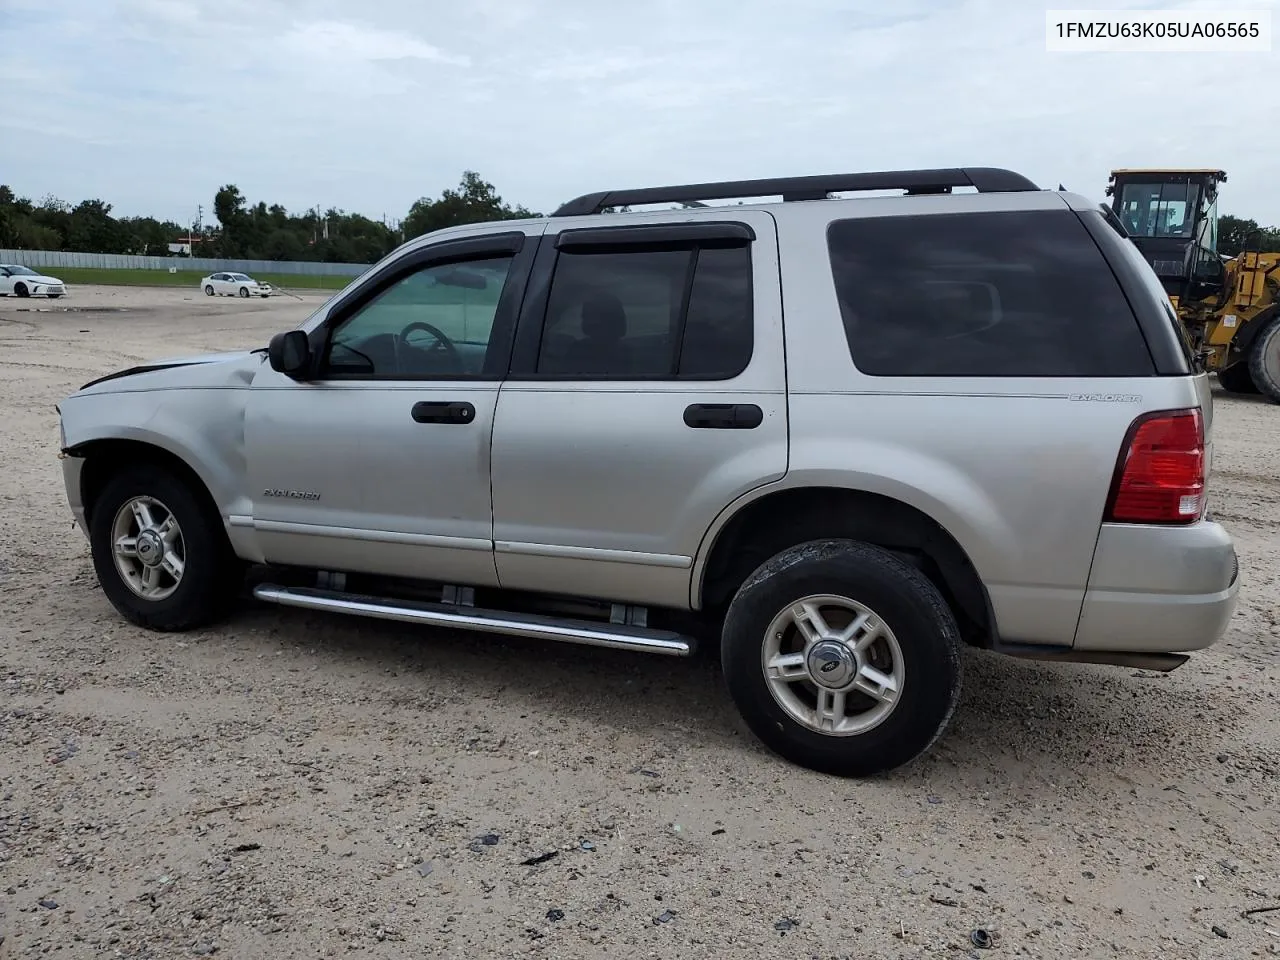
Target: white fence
point(49, 259)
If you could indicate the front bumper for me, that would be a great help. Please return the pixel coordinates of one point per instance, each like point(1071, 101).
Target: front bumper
point(71, 467)
point(48, 289)
point(1159, 589)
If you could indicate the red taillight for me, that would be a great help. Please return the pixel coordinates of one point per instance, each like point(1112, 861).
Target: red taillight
point(1161, 473)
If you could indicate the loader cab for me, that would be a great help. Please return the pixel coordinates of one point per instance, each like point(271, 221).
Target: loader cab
point(1172, 217)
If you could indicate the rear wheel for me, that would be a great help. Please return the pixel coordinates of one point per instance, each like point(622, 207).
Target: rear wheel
point(160, 553)
point(1237, 378)
point(842, 658)
point(1264, 360)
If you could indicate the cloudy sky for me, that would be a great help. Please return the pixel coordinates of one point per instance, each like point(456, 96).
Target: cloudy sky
point(153, 104)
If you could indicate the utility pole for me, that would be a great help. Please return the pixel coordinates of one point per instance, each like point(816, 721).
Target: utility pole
point(191, 240)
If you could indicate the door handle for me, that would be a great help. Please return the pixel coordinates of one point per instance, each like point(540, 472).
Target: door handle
point(443, 411)
point(723, 416)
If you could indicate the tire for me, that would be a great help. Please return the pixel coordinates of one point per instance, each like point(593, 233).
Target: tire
point(1237, 378)
point(208, 289)
point(21, 290)
point(1264, 360)
point(210, 574)
point(926, 667)
point(244, 292)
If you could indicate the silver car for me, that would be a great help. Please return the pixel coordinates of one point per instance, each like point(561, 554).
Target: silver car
point(842, 438)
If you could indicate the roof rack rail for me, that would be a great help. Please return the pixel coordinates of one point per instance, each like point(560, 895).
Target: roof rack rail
point(985, 179)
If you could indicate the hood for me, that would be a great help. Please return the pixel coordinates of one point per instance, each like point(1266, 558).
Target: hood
point(39, 278)
point(223, 369)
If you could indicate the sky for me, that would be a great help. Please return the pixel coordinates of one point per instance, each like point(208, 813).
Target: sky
point(152, 105)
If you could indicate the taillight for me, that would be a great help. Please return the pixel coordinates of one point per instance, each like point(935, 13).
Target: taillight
point(1160, 477)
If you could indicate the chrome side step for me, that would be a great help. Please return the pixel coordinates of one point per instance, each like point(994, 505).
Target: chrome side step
point(614, 635)
point(1163, 662)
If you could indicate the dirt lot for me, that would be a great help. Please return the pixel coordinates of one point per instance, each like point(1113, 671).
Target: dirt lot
point(269, 788)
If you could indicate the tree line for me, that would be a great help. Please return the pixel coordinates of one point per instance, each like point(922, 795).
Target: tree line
point(1236, 234)
point(270, 232)
point(243, 230)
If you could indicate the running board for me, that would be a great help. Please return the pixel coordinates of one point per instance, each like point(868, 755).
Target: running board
point(1163, 662)
point(613, 635)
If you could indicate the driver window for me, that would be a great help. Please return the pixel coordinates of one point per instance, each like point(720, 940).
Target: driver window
point(433, 322)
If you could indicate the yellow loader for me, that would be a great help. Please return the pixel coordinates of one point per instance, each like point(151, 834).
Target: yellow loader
point(1229, 306)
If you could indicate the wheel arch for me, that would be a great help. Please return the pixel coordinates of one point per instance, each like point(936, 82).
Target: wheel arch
point(783, 518)
point(105, 457)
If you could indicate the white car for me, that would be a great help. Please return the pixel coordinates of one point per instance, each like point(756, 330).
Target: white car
point(234, 285)
point(21, 281)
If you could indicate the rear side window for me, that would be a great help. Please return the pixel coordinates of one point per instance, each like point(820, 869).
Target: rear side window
point(680, 313)
point(1009, 294)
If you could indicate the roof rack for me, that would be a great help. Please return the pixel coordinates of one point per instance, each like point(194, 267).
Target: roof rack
point(986, 179)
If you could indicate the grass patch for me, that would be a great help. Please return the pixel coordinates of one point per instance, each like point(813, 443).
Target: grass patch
point(186, 278)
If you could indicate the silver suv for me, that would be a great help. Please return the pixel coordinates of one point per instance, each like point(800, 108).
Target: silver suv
point(839, 437)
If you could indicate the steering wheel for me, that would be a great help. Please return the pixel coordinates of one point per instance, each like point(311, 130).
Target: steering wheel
point(443, 343)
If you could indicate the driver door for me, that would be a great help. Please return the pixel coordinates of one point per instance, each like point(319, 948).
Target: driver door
point(377, 460)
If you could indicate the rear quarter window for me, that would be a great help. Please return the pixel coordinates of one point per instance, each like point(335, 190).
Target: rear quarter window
point(1002, 294)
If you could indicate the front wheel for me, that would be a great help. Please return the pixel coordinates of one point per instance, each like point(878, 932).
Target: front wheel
point(1264, 360)
point(160, 553)
point(21, 290)
point(842, 658)
point(208, 289)
point(244, 292)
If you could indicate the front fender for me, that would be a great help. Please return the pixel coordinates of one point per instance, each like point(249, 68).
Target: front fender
point(202, 428)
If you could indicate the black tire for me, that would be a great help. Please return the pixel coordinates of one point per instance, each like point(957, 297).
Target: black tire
point(21, 290)
point(244, 292)
point(1264, 360)
point(908, 603)
point(211, 574)
point(208, 289)
point(1237, 378)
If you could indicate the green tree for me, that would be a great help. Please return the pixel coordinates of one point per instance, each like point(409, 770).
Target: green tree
point(228, 207)
point(475, 201)
point(90, 227)
point(1236, 234)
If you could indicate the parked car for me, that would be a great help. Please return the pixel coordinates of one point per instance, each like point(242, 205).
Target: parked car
point(234, 285)
point(22, 281)
point(839, 439)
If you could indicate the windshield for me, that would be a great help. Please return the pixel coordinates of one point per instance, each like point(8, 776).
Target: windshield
point(240, 276)
point(1159, 209)
point(21, 272)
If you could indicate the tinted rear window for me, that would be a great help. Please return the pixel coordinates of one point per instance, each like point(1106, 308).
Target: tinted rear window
point(1021, 294)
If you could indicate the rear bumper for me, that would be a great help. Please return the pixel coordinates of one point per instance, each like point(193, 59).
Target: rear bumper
point(1159, 589)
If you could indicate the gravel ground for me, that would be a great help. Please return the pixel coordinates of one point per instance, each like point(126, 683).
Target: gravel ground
point(292, 784)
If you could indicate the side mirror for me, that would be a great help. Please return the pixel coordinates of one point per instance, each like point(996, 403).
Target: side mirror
point(289, 352)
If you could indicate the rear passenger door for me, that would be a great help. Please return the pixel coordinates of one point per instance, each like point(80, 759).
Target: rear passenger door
point(647, 392)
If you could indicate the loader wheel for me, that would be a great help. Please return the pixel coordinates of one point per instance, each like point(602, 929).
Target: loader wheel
point(1264, 361)
point(1237, 378)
